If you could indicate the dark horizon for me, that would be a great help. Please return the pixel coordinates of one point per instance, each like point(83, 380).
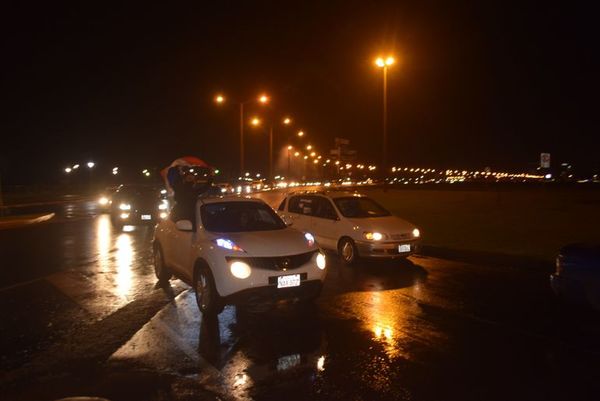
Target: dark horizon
point(476, 86)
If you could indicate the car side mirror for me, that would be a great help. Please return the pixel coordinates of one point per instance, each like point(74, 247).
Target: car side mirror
point(184, 225)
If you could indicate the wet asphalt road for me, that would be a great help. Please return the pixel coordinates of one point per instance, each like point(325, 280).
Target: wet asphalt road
point(81, 315)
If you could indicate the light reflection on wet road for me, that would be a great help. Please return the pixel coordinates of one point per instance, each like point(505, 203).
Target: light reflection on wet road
point(424, 328)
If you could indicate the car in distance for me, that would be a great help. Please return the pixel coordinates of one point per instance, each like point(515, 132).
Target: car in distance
point(577, 274)
point(134, 204)
point(237, 251)
point(351, 224)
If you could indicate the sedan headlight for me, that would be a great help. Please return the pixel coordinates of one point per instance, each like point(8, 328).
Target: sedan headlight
point(321, 263)
point(240, 270)
point(125, 206)
point(374, 236)
point(416, 233)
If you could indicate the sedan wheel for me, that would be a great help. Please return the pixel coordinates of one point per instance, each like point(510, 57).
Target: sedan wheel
point(347, 251)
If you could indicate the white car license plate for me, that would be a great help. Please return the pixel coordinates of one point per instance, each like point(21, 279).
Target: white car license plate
point(293, 280)
point(404, 248)
point(146, 217)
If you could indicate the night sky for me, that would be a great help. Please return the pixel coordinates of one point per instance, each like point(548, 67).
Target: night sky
point(477, 84)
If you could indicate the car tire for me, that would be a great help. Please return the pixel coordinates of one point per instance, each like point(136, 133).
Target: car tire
point(162, 272)
point(207, 298)
point(347, 251)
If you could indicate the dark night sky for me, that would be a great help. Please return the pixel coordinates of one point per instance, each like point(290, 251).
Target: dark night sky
point(478, 85)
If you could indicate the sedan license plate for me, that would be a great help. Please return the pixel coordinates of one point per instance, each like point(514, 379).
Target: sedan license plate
point(293, 280)
point(146, 217)
point(404, 248)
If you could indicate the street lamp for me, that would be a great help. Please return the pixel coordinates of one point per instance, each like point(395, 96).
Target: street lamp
point(262, 99)
point(287, 121)
point(384, 63)
point(300, 134)
point(91, 164)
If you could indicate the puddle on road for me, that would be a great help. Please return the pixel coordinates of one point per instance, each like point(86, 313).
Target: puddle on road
point(107, 268)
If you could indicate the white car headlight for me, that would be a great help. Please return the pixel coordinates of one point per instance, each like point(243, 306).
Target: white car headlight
point(125, 206)
point(321, 263)
point(124, 216)
point(163, 205)
point(310, 239)
point(240, 270)
point(103, 201)
point(227, 244)
point(416, 233)
point(374, 236)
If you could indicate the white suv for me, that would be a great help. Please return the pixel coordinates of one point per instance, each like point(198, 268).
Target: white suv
point(351, 224)
point(237, 250)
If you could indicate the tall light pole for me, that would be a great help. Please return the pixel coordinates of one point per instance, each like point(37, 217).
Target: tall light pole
point(262, 99)
point(384, 63)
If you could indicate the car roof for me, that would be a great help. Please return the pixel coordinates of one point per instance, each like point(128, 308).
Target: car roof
point(330, 194)
point(230, 198)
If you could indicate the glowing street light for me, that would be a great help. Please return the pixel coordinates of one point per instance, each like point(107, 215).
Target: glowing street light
point(384, 63)
point(262, 99)
point(308, 147)
point(300, 134)
point(255, 121)
point(91, 164)
point(290, 147)
point(296, 154)
point(287, 121)
point(75, 167)
point(68, 170)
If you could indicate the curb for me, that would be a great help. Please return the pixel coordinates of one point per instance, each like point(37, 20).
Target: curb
point(494, 259)
point(22, 221)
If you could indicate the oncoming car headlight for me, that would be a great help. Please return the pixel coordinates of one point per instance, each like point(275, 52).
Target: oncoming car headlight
point(240, 270)
point(416, 233)
point(374, 236)
point(125, 206)
point(103, 201)
point(321, 262)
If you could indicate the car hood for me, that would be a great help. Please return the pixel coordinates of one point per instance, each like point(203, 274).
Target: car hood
point(385, 225)
point(283, 242)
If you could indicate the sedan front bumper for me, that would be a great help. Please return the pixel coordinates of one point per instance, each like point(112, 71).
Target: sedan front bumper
point(385, 249)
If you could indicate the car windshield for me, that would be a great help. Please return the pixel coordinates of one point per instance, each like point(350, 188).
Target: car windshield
point(360, 207)
point(239, 217)
point(137, 191)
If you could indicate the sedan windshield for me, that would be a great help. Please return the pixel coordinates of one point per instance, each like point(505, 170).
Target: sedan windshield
point(360, 207)
point(239, 217)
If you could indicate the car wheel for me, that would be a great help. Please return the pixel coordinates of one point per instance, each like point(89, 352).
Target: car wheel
point(163, 273)
point(207, 298)
point(348, 251)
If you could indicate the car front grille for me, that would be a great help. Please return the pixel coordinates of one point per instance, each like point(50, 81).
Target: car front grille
point(398, 237)
point(277, 263)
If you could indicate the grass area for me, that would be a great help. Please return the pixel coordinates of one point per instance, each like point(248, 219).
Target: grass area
point(533, 222)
